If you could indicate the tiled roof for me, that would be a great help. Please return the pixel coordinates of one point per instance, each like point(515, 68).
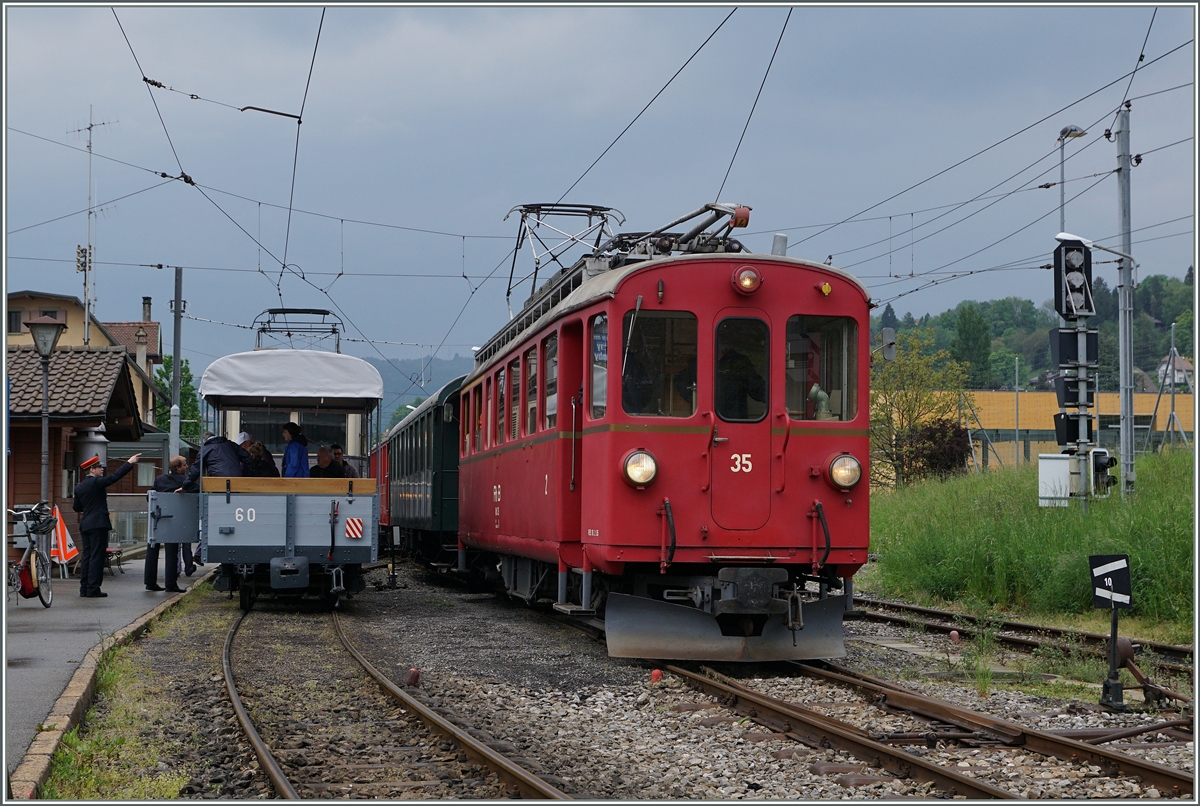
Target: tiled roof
point(125, 333)
point(82, 381)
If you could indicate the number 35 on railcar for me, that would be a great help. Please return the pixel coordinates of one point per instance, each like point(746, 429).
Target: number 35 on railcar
point(673, 436)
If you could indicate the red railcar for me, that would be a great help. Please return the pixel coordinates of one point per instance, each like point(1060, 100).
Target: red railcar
point(673, 435)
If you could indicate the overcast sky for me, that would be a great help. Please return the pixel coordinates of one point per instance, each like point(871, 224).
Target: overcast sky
point(422, 127)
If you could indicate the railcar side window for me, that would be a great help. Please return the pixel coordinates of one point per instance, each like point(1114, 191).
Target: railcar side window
point(477, 408)
point(487, 417)
point(740, 391)
point(464, 422)
point(551, 381)
point(821, 368)
point(500, 409)
point(658, 363)
point(531, 390)
point(599, 353)
point(514, 416)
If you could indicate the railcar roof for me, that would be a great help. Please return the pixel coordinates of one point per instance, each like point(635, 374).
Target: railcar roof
point(605, 285)
point(299, 379)
point(438, 398)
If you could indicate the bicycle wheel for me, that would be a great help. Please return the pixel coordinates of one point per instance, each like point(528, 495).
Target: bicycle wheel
point(44, 571)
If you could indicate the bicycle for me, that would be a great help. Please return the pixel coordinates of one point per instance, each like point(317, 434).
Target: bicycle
point(35, 523)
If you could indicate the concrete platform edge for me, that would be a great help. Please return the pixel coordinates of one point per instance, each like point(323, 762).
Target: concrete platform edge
point(69, 710)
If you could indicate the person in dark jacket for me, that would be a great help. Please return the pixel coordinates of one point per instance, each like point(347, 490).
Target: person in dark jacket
point(326, 468)
point(336, 451)
point(169, 482)
point(262, 463)
point(91, 499)
point(295, 455)
point(218, 457)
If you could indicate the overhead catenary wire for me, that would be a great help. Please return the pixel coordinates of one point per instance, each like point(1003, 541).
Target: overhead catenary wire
point(296, 155)
point(754, 105)
point(1141, 58)
point(647, 106)
point(997, 144)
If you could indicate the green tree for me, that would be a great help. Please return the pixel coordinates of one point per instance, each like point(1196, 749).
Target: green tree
point(920, 387)
point(972, 345)
point(189, 402)
point(402, 411)
point(889, 319)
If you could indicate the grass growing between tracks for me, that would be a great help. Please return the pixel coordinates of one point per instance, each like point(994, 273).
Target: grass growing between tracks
point(982, 540)
point(115, 753)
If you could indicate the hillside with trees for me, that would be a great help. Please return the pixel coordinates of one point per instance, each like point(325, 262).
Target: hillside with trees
point(986, 338)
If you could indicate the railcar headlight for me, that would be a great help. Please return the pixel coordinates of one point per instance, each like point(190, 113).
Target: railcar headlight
point(640, 468)
point(845, 471)
point(747, 280)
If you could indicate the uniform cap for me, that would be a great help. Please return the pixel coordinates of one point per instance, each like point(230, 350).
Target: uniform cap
point(90, 463)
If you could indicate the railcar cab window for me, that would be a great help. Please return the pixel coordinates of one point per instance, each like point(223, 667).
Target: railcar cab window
point(551, 408)
point(531, 396)
point(821, 368)
point(599, 354)
point(741, 392)
point(658, 363)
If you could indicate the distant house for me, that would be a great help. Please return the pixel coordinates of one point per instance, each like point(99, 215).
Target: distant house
point(142, 340)
point(1179, 375)
point(89, 386)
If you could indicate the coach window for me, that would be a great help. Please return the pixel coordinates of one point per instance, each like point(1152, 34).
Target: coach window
point(599, 354)
point(531, 390)
point(477, 415)
point(551, 407)
point(741, 388)
point(821, 368)
point(514, 399)
point(658, 363)
point(501, 399)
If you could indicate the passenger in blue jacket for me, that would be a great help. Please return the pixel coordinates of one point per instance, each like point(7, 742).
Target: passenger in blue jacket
point(295, 455)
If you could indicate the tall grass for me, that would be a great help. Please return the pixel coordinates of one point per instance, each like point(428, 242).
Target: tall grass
point(984, 537)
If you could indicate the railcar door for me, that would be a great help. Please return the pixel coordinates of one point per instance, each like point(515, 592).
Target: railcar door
point(740, 448)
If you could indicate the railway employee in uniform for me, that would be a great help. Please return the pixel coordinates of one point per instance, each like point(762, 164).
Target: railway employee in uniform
point(91, 499)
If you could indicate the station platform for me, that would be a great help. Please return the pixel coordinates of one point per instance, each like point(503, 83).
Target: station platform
point(50, 654)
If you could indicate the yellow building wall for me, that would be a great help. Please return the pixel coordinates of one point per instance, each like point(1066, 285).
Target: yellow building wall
point(998, 409)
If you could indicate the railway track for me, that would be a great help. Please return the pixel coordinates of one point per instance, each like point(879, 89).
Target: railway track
point(1017, 635)
point(329, 735)
point(948, 739)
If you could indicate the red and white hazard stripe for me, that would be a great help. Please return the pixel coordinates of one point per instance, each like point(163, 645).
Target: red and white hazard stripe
point(354, 527)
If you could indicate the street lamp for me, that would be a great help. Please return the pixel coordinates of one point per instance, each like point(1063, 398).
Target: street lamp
point(45, 331)
point(1068, 131)
point(1125, 361)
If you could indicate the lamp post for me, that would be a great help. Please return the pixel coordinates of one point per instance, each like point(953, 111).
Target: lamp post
point(1068, 131)
point(45, 331)
point(1125, 363)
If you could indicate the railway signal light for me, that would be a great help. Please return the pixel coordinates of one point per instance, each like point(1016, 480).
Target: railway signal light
point(1102, 478)
point(1073, 280)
